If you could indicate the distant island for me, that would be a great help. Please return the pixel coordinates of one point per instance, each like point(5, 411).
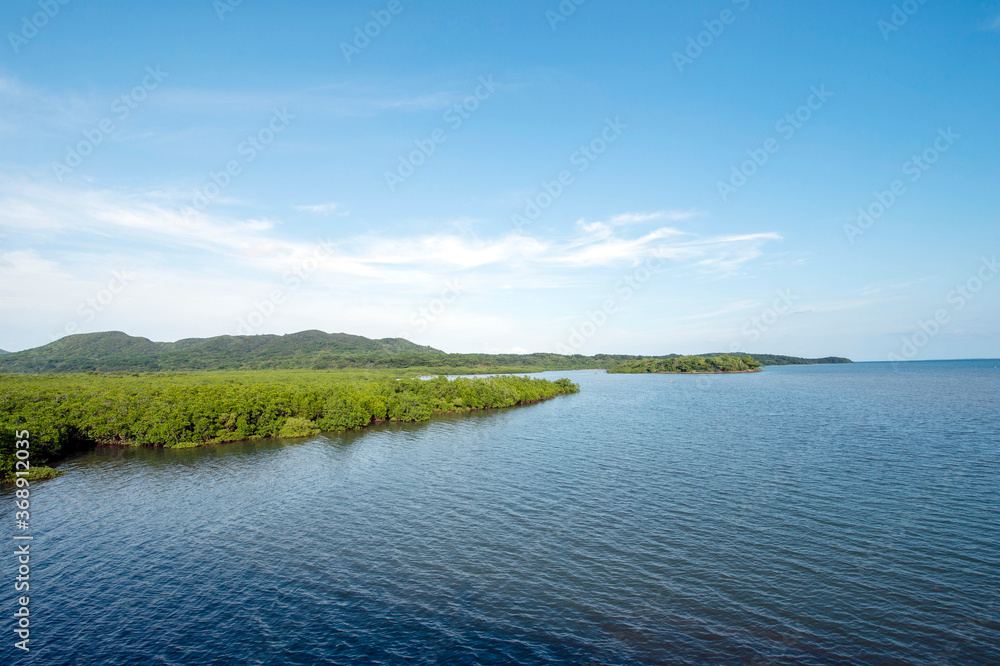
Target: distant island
point(115, 351)
point(689, 364)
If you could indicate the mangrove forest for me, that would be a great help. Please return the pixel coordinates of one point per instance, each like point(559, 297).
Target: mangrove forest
point(70, 412)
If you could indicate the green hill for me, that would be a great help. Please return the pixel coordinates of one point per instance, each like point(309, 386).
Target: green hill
point(118, 352)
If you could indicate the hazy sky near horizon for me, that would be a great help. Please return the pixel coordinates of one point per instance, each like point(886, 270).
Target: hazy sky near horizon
point(623, 177)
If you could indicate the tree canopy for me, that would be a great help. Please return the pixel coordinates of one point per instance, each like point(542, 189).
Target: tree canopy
point(64, 413)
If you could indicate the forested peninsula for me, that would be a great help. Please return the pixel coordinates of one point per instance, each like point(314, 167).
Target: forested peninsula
point(71, 412)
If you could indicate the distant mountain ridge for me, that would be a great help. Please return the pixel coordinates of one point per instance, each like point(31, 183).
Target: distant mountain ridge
point(115, 351)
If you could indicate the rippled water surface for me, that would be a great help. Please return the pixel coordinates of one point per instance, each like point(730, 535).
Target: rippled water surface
point(820, 514)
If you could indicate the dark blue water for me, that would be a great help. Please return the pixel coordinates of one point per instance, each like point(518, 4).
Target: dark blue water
point(824, 514)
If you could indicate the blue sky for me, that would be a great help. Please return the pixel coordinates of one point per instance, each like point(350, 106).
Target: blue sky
point(627, 177)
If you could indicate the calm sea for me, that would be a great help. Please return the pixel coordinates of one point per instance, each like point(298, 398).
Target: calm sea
point(807, 515)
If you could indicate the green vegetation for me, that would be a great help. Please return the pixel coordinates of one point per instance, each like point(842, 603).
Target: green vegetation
point(42, 473)
point(774, 359)
point(724, 363)
point(117, 352)
point(69, 412)
point(313, 350)
point(198, 391)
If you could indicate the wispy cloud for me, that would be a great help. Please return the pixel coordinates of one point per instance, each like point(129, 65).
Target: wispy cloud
point(349, 101)
point(320, 209)
point(197, 273)
point(34, 209)
point(602, 243)
point(146, 221)
point(26, 107)
point(873, 289)
point(668, 215)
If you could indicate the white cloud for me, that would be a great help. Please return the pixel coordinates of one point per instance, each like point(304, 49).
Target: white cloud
point(149, 223)
point(27, 108)
point(342, 100)
point(29, 207)
point(320, 209)
point(208, 270)
point(873, 289)
point(605, 230)
point(669, 215)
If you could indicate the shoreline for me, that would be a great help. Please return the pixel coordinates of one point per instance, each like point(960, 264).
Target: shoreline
point(67, 414)
point(689, 372)
point(373, 422)
point(611, 371)
point(302, 429)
